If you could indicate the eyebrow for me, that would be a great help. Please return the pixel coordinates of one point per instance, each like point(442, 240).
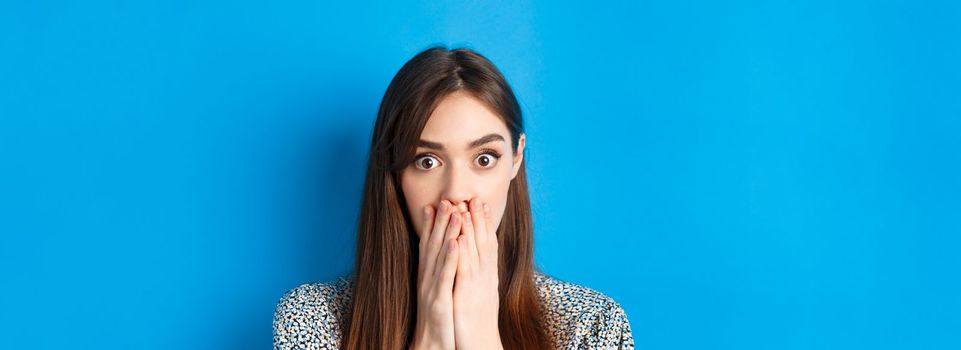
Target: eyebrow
point(486, 139)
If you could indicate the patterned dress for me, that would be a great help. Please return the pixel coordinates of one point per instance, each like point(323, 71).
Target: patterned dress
point(577, 317)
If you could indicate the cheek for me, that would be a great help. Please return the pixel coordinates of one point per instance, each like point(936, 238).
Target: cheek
point(497, 200)
point(417, 195)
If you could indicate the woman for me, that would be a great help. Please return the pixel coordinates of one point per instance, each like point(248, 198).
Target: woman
point(445, 236)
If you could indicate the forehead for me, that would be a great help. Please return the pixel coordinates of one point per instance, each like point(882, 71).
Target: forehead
point(460, 118)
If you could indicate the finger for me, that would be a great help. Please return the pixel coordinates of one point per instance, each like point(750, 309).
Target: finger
point(477, 221)
point(441, 220)
point(470, 252)
point(428, 213)
point(452, 226)
point(428, 216)
point(445, 283)
point(489, 221)
point(464, 266)
point(453, 232)
point(491, 232)
point(491, 255)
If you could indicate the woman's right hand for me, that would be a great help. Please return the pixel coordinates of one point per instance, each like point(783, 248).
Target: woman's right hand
point(434, 328)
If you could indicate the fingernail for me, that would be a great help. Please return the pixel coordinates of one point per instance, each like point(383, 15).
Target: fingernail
point(467, 219)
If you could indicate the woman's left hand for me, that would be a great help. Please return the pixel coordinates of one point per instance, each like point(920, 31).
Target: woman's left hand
point(476, 299)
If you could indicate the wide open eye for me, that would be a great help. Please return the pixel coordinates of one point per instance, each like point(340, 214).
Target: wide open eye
point(487, 159)
point(426, 162)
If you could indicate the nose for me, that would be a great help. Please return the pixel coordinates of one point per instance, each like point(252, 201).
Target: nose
point(459, 188)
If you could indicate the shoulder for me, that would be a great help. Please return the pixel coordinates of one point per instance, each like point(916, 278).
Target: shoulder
point(310, 315)
point(578, 316)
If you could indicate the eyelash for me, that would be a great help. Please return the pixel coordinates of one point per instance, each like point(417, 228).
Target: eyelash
point(487, 151)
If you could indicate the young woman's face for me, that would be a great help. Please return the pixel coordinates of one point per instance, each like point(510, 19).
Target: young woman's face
point(464, 153)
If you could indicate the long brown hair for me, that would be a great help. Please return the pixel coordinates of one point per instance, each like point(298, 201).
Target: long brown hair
point(383, 307)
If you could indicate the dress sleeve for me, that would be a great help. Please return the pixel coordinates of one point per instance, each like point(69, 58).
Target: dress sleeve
point(615, 332)
point(300, 322)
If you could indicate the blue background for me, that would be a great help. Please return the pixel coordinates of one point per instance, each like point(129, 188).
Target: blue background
point(738, 175)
